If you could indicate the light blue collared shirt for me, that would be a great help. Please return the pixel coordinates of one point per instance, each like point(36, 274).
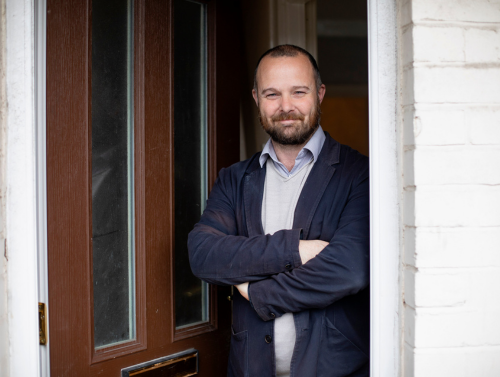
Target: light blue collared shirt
point(309, 152)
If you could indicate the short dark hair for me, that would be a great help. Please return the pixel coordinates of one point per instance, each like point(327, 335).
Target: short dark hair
point(290, 51)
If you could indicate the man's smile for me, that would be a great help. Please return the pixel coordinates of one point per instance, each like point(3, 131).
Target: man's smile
point(287, 122)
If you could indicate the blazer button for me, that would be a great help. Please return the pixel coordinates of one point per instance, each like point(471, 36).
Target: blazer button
point(288, 266)
point(268, 339)
point(272, 315)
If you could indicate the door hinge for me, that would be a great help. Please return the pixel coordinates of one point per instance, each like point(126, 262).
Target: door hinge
point(42, 323)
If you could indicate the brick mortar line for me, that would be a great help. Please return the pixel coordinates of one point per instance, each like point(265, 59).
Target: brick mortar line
point(409, 188)
point(447, 147)
point(452, 348)
point(427, 185)
point(449, 227)
point(405, 304)
point(436, 311)
point(412, 147)
point(458, 24)
point(445, 24)
point(451, 64)
point(465, 105)
point(453, 270)
point(452, 227)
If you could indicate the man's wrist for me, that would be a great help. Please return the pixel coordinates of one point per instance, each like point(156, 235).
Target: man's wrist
point(243, 289)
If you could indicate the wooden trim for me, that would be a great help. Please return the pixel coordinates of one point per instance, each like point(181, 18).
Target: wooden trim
point(68, 233)
point(90, 245)
point(140, 171)
point(212, 93)
point(171, 219)
point(140, 343)
point(201, 328)
point(159, 158)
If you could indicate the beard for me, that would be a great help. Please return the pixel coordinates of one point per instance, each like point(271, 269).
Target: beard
point(302, 130)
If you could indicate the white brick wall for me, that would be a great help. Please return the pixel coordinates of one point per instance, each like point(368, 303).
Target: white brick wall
point(483, 125)
point(450, 95)
point(456, 10)
point(460, 362)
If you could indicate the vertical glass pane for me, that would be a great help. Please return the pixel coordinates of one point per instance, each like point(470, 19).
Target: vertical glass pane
point(113, 172)
point(190, 144)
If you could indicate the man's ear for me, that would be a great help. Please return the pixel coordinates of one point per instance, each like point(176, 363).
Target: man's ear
point(321, 92)
point(256, 99)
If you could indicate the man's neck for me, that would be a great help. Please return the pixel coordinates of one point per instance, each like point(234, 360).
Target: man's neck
point(287, 154)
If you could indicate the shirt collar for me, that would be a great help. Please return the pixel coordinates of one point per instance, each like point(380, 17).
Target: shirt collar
point(314, 146)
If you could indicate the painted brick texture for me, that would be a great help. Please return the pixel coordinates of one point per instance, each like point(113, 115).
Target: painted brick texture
point(450, 95)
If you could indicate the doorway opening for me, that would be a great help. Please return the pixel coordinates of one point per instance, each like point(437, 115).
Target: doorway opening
point(339, 35)
point(355, 45)
point(343, 61)
point(342, 93)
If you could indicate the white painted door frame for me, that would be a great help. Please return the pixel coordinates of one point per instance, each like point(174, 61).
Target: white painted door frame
point(385, 344)
point(41, 174)
point(384, 186)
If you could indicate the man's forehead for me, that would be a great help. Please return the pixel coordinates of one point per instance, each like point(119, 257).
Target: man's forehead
point(284, 66)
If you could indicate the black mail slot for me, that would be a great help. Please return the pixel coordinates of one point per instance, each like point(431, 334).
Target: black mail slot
point(182, 364)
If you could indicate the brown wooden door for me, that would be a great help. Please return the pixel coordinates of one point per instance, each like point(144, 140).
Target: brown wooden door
point(82, 338)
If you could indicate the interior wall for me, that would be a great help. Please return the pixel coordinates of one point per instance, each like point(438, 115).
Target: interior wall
point(339, 31)
point(343, 63)
point(346, 119)
point(258, 37)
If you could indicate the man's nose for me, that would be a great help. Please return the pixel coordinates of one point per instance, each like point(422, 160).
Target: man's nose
point(286, 103)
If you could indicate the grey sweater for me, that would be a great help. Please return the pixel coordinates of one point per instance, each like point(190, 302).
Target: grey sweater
point(278, 206)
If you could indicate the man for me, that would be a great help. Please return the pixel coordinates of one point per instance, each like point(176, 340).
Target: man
point(289, 227)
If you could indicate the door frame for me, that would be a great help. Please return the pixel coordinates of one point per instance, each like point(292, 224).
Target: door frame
point(27, 269)
point(386, 325)
point(40, 16)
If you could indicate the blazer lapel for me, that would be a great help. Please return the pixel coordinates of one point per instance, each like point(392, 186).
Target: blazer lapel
point(253, 193)
point(315, 186)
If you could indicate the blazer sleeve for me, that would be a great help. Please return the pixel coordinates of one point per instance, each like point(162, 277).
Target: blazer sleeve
point(218, 255)
point(341, 269)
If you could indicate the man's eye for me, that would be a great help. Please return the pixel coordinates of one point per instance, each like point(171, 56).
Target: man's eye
point(299, 92)
point(271, 95)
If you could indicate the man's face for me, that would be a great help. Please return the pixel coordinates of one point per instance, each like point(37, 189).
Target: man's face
point(288, 101)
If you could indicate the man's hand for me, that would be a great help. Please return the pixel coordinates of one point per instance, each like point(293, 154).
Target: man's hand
point(243, 288)
point(309, 249)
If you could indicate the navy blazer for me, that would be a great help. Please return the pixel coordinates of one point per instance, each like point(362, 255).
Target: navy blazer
point(328, 295)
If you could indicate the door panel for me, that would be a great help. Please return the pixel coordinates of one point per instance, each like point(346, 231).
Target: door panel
point(69, 186)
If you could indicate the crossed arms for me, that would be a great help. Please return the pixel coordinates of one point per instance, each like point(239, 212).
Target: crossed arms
point(286, 274)
point(308, 249)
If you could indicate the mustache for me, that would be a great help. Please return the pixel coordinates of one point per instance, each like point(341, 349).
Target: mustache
point(285, 116)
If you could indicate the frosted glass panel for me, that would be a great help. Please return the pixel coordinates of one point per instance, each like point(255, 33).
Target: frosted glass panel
point(190, 144)
point(113, 172)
